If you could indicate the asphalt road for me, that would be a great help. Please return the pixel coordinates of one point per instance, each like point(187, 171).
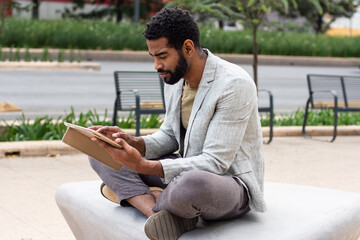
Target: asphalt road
point(49, 92)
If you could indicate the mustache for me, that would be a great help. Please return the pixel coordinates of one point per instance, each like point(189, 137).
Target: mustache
point(163, 71)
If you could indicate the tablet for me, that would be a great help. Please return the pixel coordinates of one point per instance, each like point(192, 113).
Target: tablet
point(92, 133)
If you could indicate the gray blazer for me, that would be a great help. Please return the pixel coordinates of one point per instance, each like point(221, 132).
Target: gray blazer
point(224, 133)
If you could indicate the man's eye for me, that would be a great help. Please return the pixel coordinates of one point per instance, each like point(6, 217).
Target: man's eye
point(163, 57)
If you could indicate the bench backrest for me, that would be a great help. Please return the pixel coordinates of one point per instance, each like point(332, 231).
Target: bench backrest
point(347, 89)
point(148, 84)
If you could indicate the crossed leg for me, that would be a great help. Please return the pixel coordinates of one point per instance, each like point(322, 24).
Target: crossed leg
point(192, 193)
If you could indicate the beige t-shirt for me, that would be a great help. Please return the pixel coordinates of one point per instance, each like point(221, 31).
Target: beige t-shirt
point(187, 100)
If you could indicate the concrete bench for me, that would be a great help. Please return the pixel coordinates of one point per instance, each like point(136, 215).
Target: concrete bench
point(294, 212)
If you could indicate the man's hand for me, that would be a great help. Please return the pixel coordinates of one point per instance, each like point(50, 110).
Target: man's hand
point(115, 132)
point(131, 158)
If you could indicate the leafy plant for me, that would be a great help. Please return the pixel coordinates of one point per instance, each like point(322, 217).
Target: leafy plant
point(11, 55)
point(47, 128)
point(27, 55)
point(2, 58)
point(35, 58)
point(79, 56)
point(71, 58)
point(17, 55)
point(45, 55)
point(61, 56)
point(323, 117)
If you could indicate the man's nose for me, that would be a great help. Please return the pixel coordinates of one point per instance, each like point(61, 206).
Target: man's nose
point(158, 66)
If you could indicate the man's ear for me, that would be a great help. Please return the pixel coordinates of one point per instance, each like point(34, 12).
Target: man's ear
point(188, 47)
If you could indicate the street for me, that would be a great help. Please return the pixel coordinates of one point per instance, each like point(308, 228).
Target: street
point(52, 93)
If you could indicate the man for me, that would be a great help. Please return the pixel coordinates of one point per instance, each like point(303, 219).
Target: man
point(212, 123)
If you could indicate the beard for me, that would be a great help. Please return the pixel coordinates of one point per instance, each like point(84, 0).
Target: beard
point(180, 70)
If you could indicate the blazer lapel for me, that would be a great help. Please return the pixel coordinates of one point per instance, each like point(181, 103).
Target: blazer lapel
point(175, 103)
point(204, 87)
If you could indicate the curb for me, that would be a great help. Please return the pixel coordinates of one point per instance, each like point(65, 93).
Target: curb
point(296, 131)
point(57, 147)
point(143, 56)
point(51, 65)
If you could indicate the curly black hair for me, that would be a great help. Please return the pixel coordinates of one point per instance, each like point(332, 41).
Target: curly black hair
point(176, 24)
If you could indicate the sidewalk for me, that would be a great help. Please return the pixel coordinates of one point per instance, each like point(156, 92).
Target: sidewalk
point(28, 209)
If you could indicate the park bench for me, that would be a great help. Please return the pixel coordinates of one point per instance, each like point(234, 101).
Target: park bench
point(138, 91)
point(143, 93)
point(336, 92)
point(294, 212)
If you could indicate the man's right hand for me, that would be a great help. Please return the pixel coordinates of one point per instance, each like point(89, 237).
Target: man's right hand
point(114, 133)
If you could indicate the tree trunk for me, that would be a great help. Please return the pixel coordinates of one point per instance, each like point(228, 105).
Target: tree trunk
point(136, 11)
point(2, 15)
point(35, 9)
point(119, 10)
point(255, 53)
point(319, 23)
point(221, 24)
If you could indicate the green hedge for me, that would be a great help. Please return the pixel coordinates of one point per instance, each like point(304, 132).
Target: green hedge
point(106, 35)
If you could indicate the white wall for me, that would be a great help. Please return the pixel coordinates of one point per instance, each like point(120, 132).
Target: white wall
point(353, 23)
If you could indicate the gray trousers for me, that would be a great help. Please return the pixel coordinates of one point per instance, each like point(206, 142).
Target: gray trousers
point(190, 194)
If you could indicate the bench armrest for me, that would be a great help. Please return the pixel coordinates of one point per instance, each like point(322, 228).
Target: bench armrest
point(332, 92)
point(270, 96)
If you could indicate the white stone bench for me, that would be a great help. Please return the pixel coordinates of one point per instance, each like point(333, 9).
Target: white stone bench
point(294, 212)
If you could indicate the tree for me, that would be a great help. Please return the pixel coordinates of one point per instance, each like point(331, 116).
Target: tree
point(204, 9)
point(251, 12)
point(116, 8)
point(315, 11)
point(5, 7)
point(2, 15)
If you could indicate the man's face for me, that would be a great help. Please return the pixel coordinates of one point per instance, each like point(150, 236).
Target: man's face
point(169, 62)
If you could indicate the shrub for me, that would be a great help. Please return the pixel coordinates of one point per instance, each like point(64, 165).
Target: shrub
point(69, 34)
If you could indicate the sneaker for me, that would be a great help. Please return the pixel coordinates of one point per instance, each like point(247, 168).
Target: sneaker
point(108, 193)
point(156, 189)
point(164, 225)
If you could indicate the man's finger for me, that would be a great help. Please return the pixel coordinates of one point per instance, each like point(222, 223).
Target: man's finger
point(121, 134)
point(122, 143)
point(95, 127)
point(109, 129)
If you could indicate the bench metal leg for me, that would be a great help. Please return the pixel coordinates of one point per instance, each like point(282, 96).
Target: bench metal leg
point(271, 126)
point(137, 114)
point(114, 123)
point(305, 117)
point(335, 123)
point(137, 124)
